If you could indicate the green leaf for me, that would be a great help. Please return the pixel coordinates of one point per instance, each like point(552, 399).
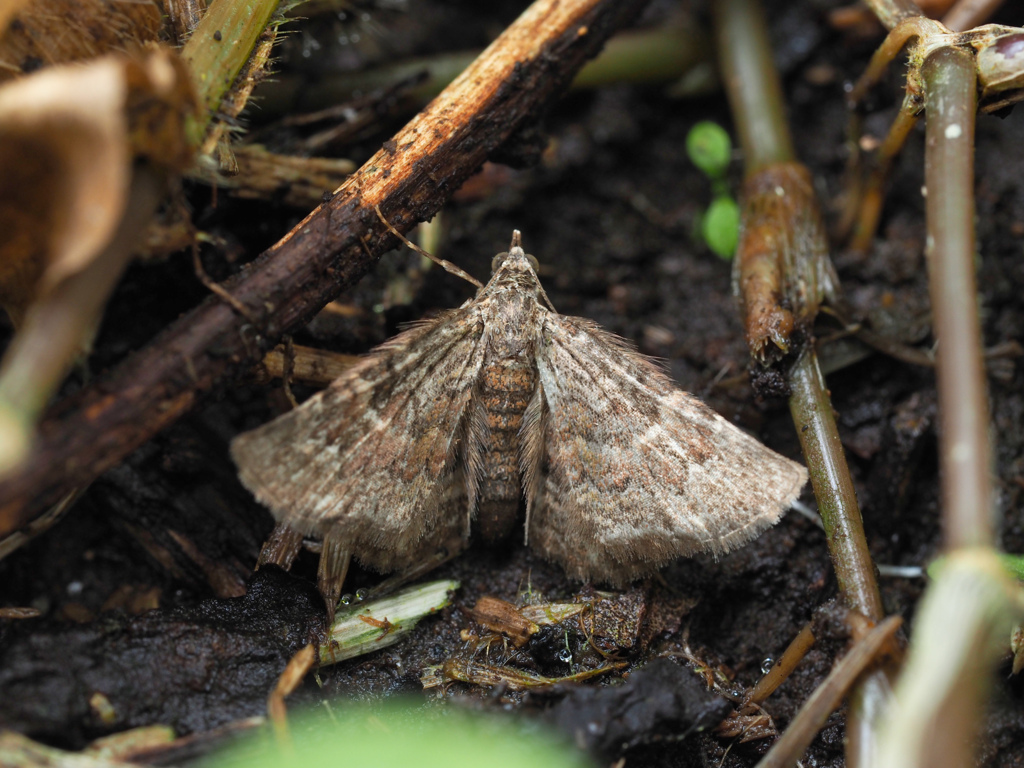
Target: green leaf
point(403, 735)
point(721, 226)
point(710, 148)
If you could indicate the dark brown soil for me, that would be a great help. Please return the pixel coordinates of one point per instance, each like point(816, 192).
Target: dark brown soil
point(609, 213)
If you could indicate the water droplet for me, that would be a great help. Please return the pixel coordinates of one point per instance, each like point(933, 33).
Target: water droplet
point(767, 664)
point(346, 599)
point(564, 655)
point(361, 595)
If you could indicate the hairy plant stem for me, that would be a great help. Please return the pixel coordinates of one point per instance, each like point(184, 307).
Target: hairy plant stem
point(219, 47)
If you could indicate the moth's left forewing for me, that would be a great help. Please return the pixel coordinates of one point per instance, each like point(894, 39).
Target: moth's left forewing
point(638, 472)
point(373, 460)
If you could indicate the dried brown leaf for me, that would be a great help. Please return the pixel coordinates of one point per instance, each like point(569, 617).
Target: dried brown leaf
point(84, 155)
point(48, 32)
point(68, 137)
point(64, 161)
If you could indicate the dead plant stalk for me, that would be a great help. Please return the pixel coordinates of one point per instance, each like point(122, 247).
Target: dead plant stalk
point(755, 96)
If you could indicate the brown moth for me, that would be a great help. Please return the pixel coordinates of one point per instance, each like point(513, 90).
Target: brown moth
point(501, 401)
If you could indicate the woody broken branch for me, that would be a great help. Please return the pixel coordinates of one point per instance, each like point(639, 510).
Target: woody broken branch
point(525, 69)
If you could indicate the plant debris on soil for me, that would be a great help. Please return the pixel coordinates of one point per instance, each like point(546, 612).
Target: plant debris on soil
point(150, 611)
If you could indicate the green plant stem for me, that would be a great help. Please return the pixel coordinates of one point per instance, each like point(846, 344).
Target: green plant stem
point(752, 84)
point(961, 628)
point(739, 22)
point(833, 488)
point(964, 450)
point(218, 49)
point(643, 56)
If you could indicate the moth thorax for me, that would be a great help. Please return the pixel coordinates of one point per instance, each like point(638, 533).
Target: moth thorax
point(506, 387)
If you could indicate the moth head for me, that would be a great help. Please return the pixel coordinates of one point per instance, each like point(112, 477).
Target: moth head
point(516, 251)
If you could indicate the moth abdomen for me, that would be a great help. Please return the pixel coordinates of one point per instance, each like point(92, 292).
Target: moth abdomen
point(506, 388)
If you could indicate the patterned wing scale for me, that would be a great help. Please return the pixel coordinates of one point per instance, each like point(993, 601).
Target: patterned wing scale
point(638, 472)
point(342, 465)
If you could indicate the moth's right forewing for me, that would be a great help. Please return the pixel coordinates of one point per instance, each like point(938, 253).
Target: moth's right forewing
point(372, 458)
point(638, 472)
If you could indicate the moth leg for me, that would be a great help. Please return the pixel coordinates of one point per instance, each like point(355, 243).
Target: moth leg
point(443, 543)
point(281, 547)
point(331, 572)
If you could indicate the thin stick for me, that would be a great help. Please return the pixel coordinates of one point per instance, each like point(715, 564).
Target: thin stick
point(828, 696)
point(290, 678)
point(289, 371)
point(318, 367)
point(782, 668)
point(216, 288)
point(874, 190)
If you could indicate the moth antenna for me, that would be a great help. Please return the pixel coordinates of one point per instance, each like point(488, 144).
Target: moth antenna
point(544, 295)
point(446, 265)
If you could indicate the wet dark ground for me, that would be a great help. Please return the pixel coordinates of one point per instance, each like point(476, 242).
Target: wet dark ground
point(609, 215)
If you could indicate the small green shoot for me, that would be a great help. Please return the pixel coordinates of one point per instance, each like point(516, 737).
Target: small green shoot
point(710, 149)
point(720, 226)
